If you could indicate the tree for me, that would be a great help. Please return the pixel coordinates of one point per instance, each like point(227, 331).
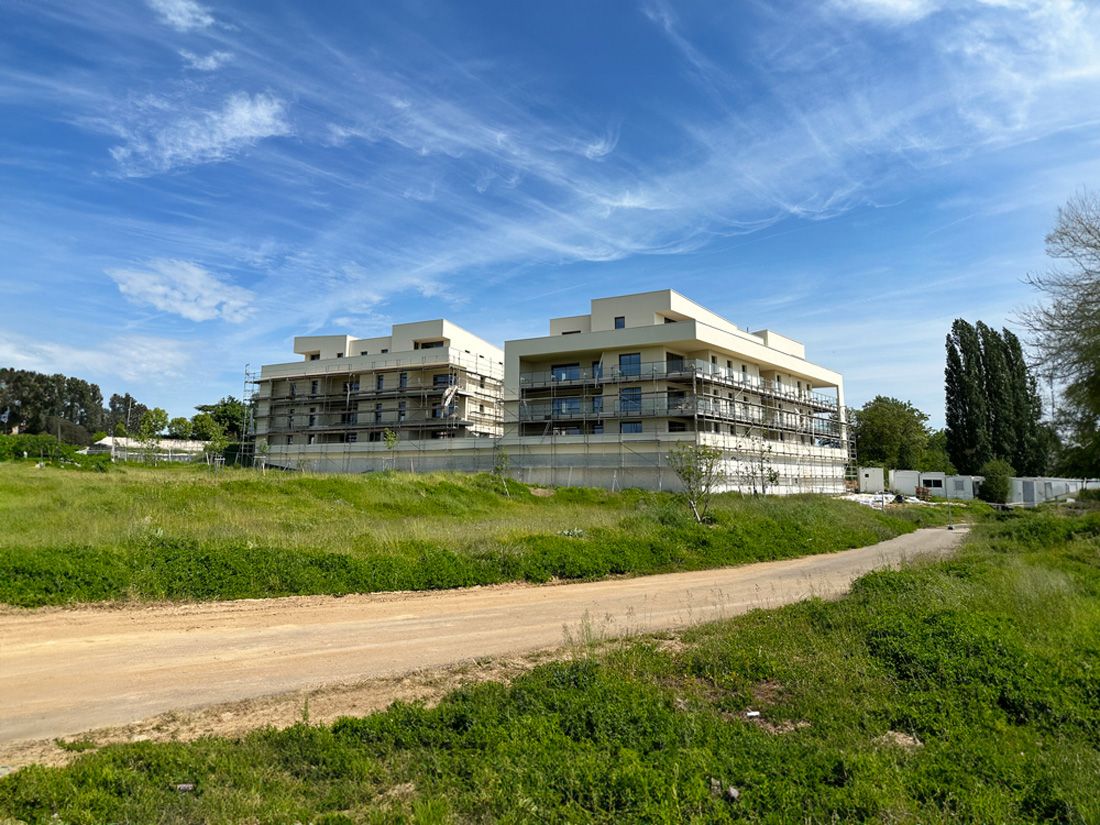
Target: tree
point(230, 413)
point(700, 469)
point(890, 433)
point(1065, 330)
point(179, 427)
point(934, 459)
point(755, 471)
point(152, 425)
point(204, 427)
point(996, 485)
point(390, 438)
point(127, 410)
point(966, 413)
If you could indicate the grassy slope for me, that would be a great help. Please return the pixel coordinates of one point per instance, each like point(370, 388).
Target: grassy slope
point(992, 660)
point(186, 534)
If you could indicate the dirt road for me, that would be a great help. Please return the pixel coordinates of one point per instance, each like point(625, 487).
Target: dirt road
point(63, 672)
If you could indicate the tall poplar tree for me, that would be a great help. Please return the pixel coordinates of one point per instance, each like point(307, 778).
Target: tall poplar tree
point(1000, 404)
point(968, 438)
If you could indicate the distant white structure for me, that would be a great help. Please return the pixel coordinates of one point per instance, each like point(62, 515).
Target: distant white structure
point(131, 449)
point(1026, 491)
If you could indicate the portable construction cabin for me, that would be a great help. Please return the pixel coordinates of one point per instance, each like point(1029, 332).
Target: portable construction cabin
point(871, 480)
point(962, 488)
point(1036, 490)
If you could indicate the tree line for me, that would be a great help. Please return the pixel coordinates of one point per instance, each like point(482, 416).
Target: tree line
point(73, 410)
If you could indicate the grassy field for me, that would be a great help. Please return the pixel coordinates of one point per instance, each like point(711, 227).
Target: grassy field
point(958, 691)
point(183, 533)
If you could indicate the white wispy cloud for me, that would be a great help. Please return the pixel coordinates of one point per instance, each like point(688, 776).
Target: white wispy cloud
point(159, 140)
point(896, 11)
point(182, 15)
point(186, 289)
point(128, 357)
point(206, 62)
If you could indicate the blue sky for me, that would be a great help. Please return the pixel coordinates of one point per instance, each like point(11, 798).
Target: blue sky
point(185, 186)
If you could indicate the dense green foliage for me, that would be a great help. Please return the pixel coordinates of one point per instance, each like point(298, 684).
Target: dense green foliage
point(993, 409)
point(185, 533)
point(892, 433)
point(996, 481)
point(48, 450)
point(990, 662)
point(34, 402)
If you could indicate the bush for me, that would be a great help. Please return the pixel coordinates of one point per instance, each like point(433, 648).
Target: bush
point(996, 487)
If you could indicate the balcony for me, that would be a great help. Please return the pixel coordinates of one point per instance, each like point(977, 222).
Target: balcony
point(591, 409)
point(674, 370)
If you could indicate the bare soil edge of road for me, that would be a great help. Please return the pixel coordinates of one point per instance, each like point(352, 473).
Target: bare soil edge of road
point(327, 701)
point(321, 705)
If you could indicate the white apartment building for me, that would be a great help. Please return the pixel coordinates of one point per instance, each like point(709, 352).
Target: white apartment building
point(433, 385)
point(602, 398)
point(599, 401)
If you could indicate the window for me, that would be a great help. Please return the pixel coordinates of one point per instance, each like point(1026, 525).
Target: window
point(677, 427)
point(349, 418)
point(933, 482)
point(315, 356)
point(378, 413)
point(567, 407)
point(673, 362)
point(385, 351)
point(403, 380)
point(597, 370)
point(729, 364)
point(630, 427)
point(312, 439)
point(352, 438)
point(620, 322)
point(630, 399)
point(402, 408)
point(481, 408)
point(339, 355)
point(630, 363)
point(565, 372)
point(313, 387)
point(375, 436)
point(312, 417)
point(597, 428)
point(443, 379)
point(379, 382)
point(677, 401)
point(351, 386)
point(597, 404)
point(289, 440)
point(960, 485)
point(428, 345)
point(364, 352)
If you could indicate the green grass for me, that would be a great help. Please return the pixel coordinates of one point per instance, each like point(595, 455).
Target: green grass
point(187, 534)
point(991, 660)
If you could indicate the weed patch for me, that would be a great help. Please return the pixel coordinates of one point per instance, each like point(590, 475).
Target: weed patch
point(185, 534)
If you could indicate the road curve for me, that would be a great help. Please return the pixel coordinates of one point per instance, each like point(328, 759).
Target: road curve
point(63, 672)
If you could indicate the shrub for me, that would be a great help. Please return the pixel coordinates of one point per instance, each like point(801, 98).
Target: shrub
point(996, 487)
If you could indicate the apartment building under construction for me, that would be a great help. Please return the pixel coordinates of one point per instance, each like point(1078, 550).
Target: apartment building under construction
point(599, 401)
point(602, 398)
point(351, 401)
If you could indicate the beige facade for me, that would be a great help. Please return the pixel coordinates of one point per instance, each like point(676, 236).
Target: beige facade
point(603, 398)
point(427, 382)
